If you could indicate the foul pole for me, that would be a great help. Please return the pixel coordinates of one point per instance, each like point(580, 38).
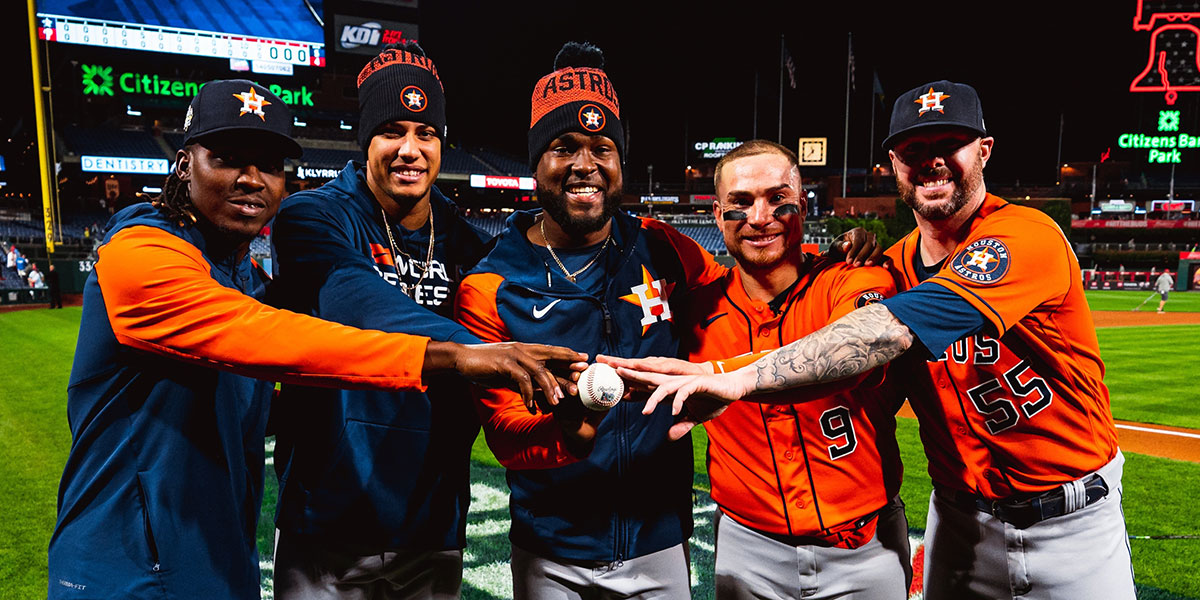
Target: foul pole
point(43, 137)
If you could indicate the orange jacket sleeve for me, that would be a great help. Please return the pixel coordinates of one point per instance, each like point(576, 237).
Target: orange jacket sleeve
point(518, 439)
point(699, 266)
point(160, 297)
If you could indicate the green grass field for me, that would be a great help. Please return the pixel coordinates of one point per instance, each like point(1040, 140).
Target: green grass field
point(1147, 372)
point(1127, 300)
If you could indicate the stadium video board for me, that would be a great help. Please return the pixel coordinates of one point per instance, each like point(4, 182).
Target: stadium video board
point(281, 31)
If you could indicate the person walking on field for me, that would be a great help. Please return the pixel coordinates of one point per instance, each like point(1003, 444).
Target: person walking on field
point(1163, 285)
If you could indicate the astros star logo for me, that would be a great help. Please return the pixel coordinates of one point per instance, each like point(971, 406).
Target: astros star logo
point(591, 117)
point(931, 101)
point(252, 103)
point(980, 258)
point(983, 261)
point(414, 98)
point(652, 297)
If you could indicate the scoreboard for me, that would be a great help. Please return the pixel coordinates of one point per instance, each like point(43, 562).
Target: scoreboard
point(174, 40)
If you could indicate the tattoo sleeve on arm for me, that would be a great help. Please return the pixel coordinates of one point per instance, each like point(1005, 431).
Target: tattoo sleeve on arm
point(856, 343)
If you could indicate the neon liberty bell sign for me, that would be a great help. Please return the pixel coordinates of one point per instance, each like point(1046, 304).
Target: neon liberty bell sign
point(1174, 62)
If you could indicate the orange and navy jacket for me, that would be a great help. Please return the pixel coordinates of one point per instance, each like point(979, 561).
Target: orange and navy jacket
point(631, 495)
point(167, 404)
point(820, 468)
point(1019, 407)
point(336, 263)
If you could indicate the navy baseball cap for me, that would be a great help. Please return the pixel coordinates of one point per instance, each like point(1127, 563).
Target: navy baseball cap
point(939, 103)
point(239, 104)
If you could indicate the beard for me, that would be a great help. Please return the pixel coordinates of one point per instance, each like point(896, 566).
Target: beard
point(965, 188)
point(554, 202)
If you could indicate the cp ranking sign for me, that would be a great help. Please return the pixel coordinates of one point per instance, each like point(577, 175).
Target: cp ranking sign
point(717, 148)
point(101, 80)
point(1164, 147)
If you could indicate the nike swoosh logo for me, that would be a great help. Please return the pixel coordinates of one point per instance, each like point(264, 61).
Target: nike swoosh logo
point(538, 313)
point(710, 321)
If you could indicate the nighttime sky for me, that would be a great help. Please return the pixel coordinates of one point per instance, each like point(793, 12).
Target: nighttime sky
point(688, 69)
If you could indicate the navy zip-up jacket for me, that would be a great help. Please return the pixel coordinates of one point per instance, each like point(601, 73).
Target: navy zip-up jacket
point(631, 496)
point(162, 488)
point(372, 471)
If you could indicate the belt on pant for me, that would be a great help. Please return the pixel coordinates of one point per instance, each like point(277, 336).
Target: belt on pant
point(1024, 512)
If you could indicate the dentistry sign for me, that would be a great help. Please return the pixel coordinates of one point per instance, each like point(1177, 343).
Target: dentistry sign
point(1166, 146)
point(124, 164)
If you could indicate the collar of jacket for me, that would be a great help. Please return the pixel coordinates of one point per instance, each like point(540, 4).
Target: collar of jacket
point(351, 183)
point(512, 248)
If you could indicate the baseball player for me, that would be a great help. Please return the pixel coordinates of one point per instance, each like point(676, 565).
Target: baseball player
point(1006, 374)
point(1163, 285)
point(378, 247)
point(601, 502)
point(803, 488)
point(169, 391)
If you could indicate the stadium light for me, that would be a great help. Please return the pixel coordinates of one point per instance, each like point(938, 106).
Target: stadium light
point(342, 125)
point(296, 122)
point(131, 112)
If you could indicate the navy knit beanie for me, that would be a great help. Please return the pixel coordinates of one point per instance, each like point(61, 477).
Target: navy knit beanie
point(400, 84)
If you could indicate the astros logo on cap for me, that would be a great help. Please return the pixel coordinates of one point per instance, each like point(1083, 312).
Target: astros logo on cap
point(591, 117)
point(931, 101)
point(252, 103)
point(982, 261)
point(414, 98)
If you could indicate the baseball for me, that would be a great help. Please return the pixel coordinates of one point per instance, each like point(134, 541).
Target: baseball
point(600, 388)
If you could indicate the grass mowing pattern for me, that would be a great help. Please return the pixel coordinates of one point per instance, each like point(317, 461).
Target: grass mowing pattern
point(34, 439)
point(1159, 500)
point(1126, 300)
point(1151, 373)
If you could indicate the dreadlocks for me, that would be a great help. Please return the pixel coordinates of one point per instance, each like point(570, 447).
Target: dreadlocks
point(175, 202)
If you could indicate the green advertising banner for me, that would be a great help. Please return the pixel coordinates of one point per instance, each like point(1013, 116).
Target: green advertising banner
point(104, 80)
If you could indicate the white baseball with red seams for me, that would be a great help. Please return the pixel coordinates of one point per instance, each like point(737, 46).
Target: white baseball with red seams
point(600, 388)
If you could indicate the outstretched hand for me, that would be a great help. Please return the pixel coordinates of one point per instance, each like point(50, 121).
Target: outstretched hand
point(704, 396)
point(521, 366)
point(859, 247)
point(653, 364)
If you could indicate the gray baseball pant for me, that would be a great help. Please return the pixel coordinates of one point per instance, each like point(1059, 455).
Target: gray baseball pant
point(664, 574)
point(1084, 554)
point(307, 570)
point(752, 565)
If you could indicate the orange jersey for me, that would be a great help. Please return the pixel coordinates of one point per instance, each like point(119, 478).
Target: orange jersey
point(813, 468)
point(1020, 408)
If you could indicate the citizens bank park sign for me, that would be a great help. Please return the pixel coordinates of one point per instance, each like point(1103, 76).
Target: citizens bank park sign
point(1165, 146)
point(104, 80)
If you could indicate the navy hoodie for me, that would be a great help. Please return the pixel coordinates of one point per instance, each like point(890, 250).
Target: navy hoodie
point(371, 471)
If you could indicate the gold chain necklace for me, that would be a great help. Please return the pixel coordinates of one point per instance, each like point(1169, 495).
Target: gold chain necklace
point(571, 276)
point(425, 267)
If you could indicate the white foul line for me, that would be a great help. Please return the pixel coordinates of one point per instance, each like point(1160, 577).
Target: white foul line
point(1162, 431)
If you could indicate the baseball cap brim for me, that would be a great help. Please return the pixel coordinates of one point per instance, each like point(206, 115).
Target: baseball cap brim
point(291, 147)
point(891, 140)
